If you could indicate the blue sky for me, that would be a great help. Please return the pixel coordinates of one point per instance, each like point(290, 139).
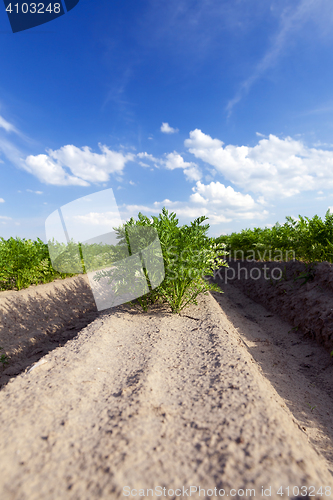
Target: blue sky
point(208, 107)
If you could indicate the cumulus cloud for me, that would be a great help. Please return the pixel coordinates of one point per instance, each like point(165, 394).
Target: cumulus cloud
point(172, 161)
point(193, 173)
point(166, 129)
point(148, 156)
point(221, 196)
point(2, 200)
point(51, 172)
point(187, 211)
point(183, 210)
point(175, 160)
point(107, 219)
point(68, 165)
point(273, 168)
point(219, 203)
point(85, 166)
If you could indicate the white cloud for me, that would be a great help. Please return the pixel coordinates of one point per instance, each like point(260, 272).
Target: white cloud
point(262, 201)
point(4, 219)
point(50, 172)
point(187, 211)
point(7, 126)
point(86, 166)
point(107, 219)
point(273, 168)
point(192, 173)
point(174, 160)
point(2, 200)
point(147, 156)
point(224, 197)
point(36, 192)
point(219, 203)
point(319, 144)
point(166, 129)
point(182, 209)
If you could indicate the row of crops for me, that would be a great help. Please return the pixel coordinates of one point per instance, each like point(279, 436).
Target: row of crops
point(24, 262)
point(304, 239)
point(188, 254)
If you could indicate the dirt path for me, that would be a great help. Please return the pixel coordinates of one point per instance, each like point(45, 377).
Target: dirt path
point(36, 320)
point(300, 370)
point(148, 400)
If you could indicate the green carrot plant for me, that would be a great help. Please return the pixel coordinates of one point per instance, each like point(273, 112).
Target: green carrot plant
point(189, 258)
point(189, 255)
point(24, 262)
point(305, 239)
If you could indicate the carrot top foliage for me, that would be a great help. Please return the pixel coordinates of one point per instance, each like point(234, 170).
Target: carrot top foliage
point(305, 239)
point(24, 262)
point(189, 257)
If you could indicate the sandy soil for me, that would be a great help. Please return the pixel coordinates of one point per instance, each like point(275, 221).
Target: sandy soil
point(211, 398)
point(38, 319)
point(307, 304)
point(284, 355)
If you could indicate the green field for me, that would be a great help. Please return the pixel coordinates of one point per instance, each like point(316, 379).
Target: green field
point(305, 239)
point(24, 262)
point(189, 256)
